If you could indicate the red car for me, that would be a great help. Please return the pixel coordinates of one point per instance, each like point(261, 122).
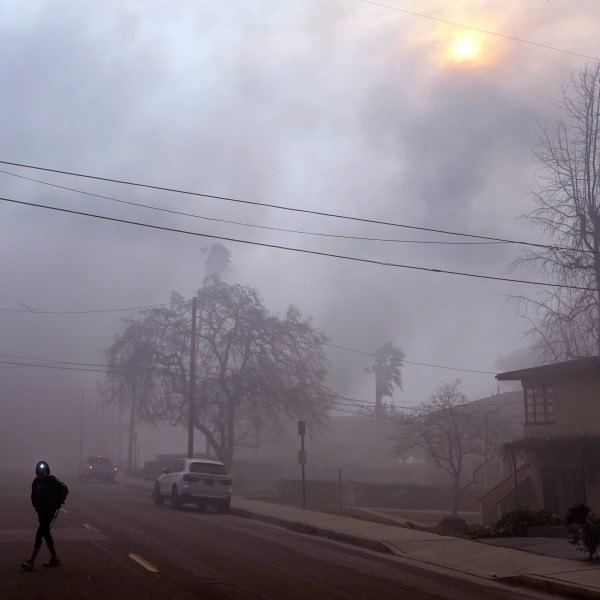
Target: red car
point(99, 468)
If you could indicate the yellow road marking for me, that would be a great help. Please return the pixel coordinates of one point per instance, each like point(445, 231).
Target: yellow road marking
point(142, 561)
point(91, 527)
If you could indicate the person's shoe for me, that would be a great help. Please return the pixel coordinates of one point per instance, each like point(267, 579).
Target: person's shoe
point(53, 562)
point(27, 565)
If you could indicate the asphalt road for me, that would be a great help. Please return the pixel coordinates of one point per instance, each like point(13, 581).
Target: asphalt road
point(115, 543)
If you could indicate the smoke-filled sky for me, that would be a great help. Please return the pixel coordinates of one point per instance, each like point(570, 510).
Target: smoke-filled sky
point(338, 106)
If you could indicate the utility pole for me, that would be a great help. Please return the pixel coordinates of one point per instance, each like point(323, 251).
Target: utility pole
point(120, 436)
point(81, 429)
point(130, 440)
point(192, 409)
point(514, 457)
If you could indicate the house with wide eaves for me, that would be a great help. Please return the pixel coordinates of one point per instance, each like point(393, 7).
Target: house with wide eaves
point(556, 464)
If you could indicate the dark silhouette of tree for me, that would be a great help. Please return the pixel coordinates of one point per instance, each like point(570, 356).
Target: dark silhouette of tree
point(566, 322)
point(458, 437)
point(387, 374)
point(255, 371)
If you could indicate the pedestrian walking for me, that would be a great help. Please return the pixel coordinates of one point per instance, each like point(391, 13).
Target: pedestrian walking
point(48, 494)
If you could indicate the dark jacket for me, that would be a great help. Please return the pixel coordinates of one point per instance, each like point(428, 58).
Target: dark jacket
point(48, 493)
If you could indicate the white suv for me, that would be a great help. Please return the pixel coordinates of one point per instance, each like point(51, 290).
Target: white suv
point(194, 481)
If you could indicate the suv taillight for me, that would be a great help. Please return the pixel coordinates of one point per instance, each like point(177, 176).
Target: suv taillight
point(226, 481)
point(190, 478)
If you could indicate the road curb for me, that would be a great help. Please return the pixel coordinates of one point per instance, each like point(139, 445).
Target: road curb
point(534, 582)
point(552, 586)
point(297, 527)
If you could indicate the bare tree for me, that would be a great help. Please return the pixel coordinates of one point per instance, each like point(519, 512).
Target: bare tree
point(144, 361)
point(566, 321)
point(255, 370)
point(387, 374)
point(459, 438)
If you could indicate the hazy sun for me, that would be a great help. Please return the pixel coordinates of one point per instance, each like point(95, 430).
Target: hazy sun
point(465, 49)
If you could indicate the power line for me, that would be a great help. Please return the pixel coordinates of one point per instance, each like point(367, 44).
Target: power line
point(58, 367)
point(88, 312)
point(365, 404)
point(39, 359)
point(72, 363)
point(354, 350)
point(470, 27)
point(408, 362)
point(54, 362)
point(365, 414)
point(46, 390)
point(104, 368)
point(78, 364)
point(243, 224)
point(362, 405)
point(74, 366)
point(374, 416)
point(291, 209)
point(300, 250)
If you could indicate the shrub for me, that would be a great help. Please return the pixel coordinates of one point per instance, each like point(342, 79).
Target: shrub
point(515, 523)
point(587, 529)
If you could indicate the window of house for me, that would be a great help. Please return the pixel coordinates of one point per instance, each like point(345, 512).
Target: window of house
point(539, 405)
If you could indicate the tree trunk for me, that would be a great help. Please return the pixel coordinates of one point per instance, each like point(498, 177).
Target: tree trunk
point(230, 438)
point(131, 438)
point(455, 496)
point(378, 397)
point(597, 279)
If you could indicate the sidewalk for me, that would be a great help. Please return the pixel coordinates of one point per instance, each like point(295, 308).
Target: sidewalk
point(574, 577)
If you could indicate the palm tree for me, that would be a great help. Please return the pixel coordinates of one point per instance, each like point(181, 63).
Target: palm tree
point(217, 263)
point(386, 369)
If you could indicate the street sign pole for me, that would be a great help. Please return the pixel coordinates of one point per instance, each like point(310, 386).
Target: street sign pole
point(302, 459)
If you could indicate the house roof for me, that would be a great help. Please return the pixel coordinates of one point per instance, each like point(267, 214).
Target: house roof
point(500, 400)
point(508, 405)
point(590, 364)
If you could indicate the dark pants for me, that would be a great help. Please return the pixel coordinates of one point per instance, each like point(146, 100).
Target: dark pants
point(45, 517)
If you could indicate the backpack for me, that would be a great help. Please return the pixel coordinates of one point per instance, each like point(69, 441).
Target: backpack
point(62, 491)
